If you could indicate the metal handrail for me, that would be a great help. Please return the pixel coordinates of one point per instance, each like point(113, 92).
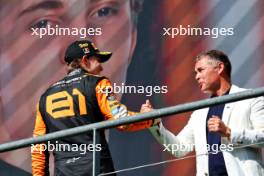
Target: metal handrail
point(157, 113)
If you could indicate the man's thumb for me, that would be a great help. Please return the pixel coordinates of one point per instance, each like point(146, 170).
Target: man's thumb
point(147, 101)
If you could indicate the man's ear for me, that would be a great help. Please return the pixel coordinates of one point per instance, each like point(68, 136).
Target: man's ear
point(221, 68)
point(84, 61)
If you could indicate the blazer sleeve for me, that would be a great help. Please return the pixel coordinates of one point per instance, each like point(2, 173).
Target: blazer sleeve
point(178, 145)
point(256, 134)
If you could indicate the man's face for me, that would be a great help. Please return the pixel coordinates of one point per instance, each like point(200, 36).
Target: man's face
point(29, 64)
point(207, 75)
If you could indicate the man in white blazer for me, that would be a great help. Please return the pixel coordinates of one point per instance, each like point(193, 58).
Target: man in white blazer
point(226, 127)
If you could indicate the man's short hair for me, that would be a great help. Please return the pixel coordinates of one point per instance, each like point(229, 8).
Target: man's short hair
point(218, 56)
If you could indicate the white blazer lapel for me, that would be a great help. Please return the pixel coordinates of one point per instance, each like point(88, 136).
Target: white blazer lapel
point(227, 112)
point(201, 133)
point(229, 106)
point(201, 141)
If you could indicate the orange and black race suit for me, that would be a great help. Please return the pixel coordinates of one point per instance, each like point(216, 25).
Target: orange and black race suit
point(78, 99)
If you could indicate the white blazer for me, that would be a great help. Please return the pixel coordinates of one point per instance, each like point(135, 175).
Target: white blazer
point(245, 119)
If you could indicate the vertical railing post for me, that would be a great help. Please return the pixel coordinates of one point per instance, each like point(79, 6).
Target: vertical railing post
point(96, 154)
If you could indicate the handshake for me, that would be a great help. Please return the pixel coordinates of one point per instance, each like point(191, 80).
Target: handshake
point(147, 107)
